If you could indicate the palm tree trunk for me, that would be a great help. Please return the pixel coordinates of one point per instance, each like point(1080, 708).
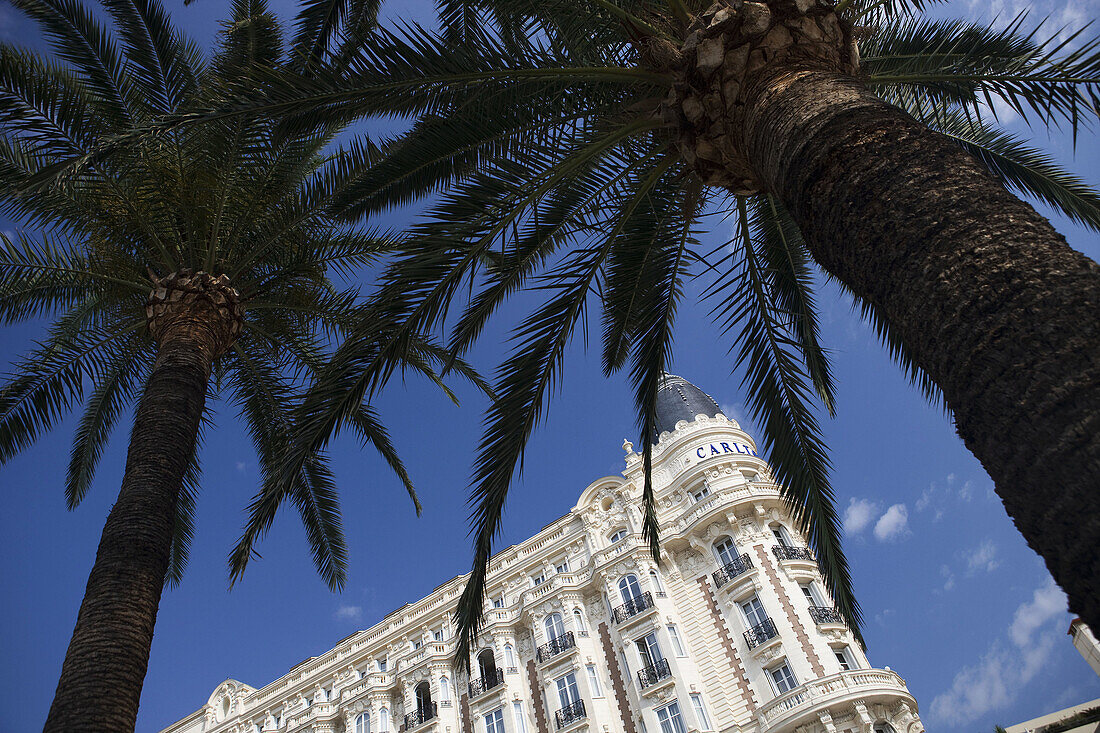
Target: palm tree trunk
point(985, 296)
point(105, 665)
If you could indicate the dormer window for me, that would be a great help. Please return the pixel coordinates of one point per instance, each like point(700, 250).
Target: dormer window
point(619, 536)
point(700, 493)
point(563, 567)
point(498, 602)
point(539, 579)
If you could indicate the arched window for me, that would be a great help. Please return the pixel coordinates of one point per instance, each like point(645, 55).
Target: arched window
point(554, 627)
point(423, 699)
point(655, 582)
point(362, 723)
point(487, 664)
point(620, 534)
point(629, 588)
point(444, 689)
point(884, 727)
point(781, 535)
point(726, 551)
point(383, 720)
point(509, 656)
point(578, 623)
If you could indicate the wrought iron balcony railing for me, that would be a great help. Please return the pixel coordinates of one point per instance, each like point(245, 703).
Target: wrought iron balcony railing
point(421, 716)
point(486, 683)
point(555, 646)
point(731, 570)
point(760, 633)
point(654, 673)
point(786, 552)
point(570, 714)
point(825, 615)
point(632, 607)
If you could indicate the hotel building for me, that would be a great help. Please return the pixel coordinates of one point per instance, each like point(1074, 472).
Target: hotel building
point(733, 631)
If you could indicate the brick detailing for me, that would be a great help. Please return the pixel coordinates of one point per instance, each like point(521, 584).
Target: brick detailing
point(785, 601)
point(616, 679)
point(537, 699)
point(727, 644)
point(464, 709)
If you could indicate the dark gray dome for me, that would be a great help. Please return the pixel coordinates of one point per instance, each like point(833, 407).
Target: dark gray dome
point(678, 399)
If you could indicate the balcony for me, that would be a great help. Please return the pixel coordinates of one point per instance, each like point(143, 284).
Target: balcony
point(731, 570)
point(786, 552)
point(570, 714)
point(654, 673)
point(803, 704)
point(826, 615)
point(760, 633)
point(421, 716)
point(555, 646)
point(481, 686)
point(632, 607)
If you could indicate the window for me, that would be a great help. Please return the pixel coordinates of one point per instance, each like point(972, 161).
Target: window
point(509, 656)
point(629, 588)
point(437, 635)
point(782, 678)
point(811, 594)
point(701, 493)
point(655, 581)
point(594, 681)
point(444, 690)
point(494, 721)
point(563, 568)
point(649, 650)
point(578, 623)
point(626, 667)
point(383, 719)
point(417, 643)
point(844, 657)
point(498, 602)
point(700, 711)
point(362, 723)
point(539, 579)
point(567, 690)
point(884, 727)
point(670, 719)
point(381, 665)
point(618, 536)
point(781, 535)
point(726, 551)
point(553, 626)
point(754, 612)
point(518, 717)
point(677, 644)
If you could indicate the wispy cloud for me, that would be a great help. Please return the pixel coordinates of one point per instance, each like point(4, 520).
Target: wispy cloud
point(893, 525)
point(982, 558)
point(348, 613)
point(939, 493)
point(1005, 668)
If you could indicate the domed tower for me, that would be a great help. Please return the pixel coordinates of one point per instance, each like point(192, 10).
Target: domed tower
point(755, 640)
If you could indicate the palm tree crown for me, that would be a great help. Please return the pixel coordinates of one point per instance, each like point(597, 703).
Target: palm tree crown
point(577, 146)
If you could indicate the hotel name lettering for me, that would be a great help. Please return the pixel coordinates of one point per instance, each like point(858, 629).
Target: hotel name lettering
point(717, 449)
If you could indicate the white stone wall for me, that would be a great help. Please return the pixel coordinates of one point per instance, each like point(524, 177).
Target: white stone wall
point(327, 693)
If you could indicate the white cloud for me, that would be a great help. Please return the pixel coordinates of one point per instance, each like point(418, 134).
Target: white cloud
point(241, 466)
point(999, 675)
point(858, 515)
point(893, 525)
point(949, 577)
point(348, 613)
point(882, 618)
point(982, 558)
point(1046, 603)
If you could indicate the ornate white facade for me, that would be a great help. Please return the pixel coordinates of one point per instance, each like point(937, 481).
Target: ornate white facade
point(584, 632)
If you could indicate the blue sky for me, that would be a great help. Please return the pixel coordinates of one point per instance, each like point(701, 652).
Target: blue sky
point(954, 600)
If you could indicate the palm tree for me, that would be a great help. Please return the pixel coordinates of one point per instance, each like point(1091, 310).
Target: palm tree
point(193, 266)
point(574, 146)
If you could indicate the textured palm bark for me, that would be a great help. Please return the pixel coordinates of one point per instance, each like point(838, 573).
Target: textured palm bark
point(984, 294)
point(105, 664)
